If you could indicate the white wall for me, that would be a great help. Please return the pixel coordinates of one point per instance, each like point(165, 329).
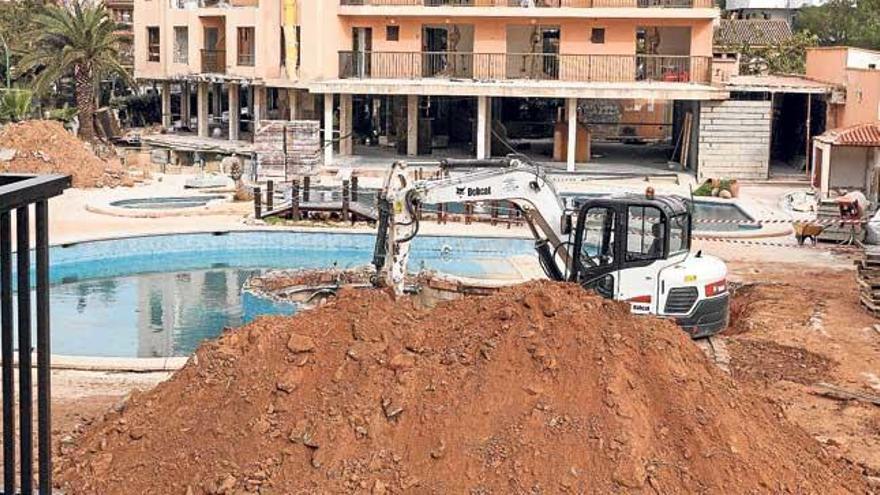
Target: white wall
point(862, 59)
point(849, 168)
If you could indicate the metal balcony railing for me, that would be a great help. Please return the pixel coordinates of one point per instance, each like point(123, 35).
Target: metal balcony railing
point(246, 59)
point(529, 66)
point(214, 61)
point(526, 4)
point(18, 193)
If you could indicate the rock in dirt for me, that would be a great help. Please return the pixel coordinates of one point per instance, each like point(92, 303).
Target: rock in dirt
point(630, 405)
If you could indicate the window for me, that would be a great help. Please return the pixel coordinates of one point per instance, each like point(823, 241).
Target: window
point(153, 45)
point(679, 235)
point(597, 246)
point(645, 234)
point(392, 33)
point(246, 47)
point(597, 36)
point(181, 45)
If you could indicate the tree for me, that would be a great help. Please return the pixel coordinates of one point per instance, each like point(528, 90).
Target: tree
point(843, 22)
point(79, 40)
point(15, 104)
point(786, 57)
point(15, 17)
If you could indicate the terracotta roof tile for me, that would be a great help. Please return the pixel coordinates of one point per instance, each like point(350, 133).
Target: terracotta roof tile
point(857, 135)
point(753, 32)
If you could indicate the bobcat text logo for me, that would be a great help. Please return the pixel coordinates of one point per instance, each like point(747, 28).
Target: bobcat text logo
point(474, 191)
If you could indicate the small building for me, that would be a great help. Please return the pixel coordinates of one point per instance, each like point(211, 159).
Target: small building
point(783, 10)
point(848, 159)
point(732, 35)
point(856, 72)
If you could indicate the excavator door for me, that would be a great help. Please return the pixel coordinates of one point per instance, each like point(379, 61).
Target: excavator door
point(596, 262)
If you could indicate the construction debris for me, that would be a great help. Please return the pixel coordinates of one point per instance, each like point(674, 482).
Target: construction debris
point(835, 392)
point(868, 278)
point(288, 148)
point(45, 146)
point(540, 388)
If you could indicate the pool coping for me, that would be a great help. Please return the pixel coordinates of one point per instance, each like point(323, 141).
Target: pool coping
point(221, 206)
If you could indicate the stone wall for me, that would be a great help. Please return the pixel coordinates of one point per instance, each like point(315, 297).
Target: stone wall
point(734, 139)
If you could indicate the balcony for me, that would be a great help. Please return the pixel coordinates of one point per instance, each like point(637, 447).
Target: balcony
point(526, 66)
point(214, 61)
point(527, 4)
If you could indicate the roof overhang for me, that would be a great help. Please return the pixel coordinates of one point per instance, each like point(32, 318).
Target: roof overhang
point(778, 84)
point(523, 89)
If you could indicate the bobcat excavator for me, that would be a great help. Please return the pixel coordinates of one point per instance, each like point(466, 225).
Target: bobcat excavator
point(632, 248)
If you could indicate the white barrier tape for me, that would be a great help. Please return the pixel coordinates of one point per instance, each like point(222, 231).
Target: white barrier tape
point(752, 242)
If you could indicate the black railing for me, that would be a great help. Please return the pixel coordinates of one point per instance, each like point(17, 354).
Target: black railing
point(17, 194)
point(525, 4)
point(530, 66)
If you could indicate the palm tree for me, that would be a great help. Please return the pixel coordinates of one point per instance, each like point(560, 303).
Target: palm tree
point(81, 40)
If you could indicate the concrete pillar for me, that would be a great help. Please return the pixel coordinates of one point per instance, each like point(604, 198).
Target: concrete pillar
point(346, 125)
point(293, 104)
point(217, 101)
point(412, 125)
point(259, 105)
point(328, 129)
point(484, 123)
point(202, 109)
point(234, 111)
point(166, 104)
point(571, 110)
point(185, 110)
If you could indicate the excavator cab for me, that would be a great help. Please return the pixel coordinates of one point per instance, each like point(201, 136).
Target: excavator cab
point(637, 249)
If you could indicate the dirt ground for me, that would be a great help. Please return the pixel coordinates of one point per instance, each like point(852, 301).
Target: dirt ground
point(792, 327)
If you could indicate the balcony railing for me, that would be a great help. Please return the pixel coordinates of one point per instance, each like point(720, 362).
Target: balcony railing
point(529, 66)
point(246, 59)
point(18, 306)
point(214, 61)
point(526, 4)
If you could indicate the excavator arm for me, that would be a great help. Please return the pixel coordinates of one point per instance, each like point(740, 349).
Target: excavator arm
point(509, 179)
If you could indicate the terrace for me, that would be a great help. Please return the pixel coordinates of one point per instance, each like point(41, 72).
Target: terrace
point(524, 66)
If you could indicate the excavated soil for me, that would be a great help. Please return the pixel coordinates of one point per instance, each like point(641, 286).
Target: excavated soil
point(540, 388)
point(44, 146)
point(758, 307)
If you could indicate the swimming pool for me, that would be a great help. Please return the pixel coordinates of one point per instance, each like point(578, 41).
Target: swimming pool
point(165, 202)
point(161, 296)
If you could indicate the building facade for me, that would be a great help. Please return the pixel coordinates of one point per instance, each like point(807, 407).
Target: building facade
point(422, 77)
point(857, 74)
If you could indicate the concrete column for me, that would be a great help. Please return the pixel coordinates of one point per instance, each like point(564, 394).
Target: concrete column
point(234, 111)
point(202, 109)
point(185, 110)
point(412, 125)
point(293, 104)
point(166, 104)
point(217, 101)
point(328, 129)
point(346, 125)
point(571, 110)
point(259, 105)
point(484, 121)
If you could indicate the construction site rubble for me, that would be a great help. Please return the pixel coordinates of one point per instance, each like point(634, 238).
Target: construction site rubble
point(538, 388)
point(45, 146)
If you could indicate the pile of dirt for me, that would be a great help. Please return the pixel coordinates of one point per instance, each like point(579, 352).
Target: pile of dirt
point(44, 146)
point(540, 388)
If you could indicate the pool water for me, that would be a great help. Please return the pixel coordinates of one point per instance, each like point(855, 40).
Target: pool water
point(165, 203)
point(162, 296)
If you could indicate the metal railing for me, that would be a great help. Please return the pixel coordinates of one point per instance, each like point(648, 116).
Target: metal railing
point(528, 66)
point(214, 61)
point(527, 4)
point(246, 59)
point(17, 193)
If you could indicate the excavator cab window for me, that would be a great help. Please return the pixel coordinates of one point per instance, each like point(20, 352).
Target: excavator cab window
point(646, 234)
point(596, 259)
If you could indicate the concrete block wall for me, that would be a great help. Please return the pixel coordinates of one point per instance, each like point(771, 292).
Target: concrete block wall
point(734, 140)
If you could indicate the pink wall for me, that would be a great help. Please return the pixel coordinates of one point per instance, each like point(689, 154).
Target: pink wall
point(862, 86)
point(491, 34)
